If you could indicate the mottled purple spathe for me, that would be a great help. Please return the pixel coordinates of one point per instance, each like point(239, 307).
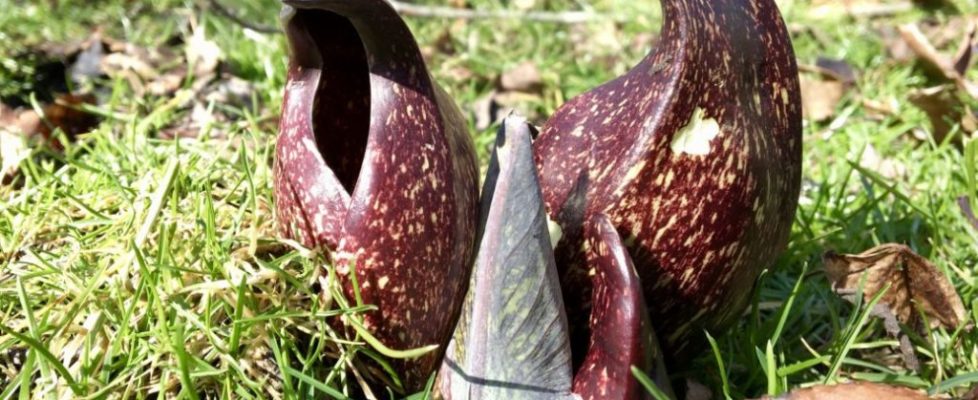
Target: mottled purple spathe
point(374, 163)
point(700, 224)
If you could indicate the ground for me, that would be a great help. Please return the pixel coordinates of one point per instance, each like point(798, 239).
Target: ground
point(133, 264)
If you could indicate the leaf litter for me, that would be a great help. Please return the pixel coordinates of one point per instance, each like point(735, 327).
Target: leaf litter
point(917, 294)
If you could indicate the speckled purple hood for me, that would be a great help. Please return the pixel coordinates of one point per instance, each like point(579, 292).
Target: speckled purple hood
point(695, 157)
point(374, 164)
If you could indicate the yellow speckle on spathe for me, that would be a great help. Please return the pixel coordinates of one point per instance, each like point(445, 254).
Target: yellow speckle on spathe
point(634, 171)
point(382, 282)
point(694, 138)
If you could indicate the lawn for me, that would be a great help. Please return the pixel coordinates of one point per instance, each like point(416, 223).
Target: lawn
point(136, 265)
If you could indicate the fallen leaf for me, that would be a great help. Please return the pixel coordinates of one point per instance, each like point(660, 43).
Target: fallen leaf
point(931, 59)
point(64, 114)
point(853, 391)
point(523, 78)
point(154, 71)
point(937, 64)
point(820, 98)
point(915, 284)
point(965, 55)
point(879, 110)
point(943, 108)
point(896, 47)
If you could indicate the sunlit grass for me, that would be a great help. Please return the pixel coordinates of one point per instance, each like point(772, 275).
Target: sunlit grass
point(131, 265)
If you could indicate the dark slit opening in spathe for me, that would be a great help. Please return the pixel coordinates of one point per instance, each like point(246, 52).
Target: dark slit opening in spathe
point(341, 109)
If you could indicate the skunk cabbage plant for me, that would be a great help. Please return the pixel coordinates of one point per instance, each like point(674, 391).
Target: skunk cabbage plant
point(694, 156)
point(375, 165)
point(512, 341)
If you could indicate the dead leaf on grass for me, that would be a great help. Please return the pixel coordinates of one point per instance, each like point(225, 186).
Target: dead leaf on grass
point(820, 98)
point(162, 71)
point(965, 56)
point(936, 63)
point(879, 109)
point(915, 284)
point(64, 113)
point(895, 46)
point(522, 78)
point(22, 126)
point(944, 109)
point(853, 391)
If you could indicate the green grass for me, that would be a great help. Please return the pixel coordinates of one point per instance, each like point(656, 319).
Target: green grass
point(131, 265)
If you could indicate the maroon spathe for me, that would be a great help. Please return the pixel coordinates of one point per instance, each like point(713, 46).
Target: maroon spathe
point(374, 163)
point(694, 155)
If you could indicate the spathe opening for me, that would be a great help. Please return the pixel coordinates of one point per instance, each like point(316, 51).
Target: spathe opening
point(341, 108)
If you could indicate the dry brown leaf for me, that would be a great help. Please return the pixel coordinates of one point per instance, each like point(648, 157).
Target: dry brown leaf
point(915, 284)
point(896, 47)
point(63, 114)
point(853, 391)
point(523, 78)
point(819, 98)
point(878, 109)
point(154, 71)
point(965, 55)
point(942, 106)
point(930, 57)
point(936, 63)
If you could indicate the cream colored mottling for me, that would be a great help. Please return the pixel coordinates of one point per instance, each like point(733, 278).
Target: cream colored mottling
point(694, 138)
point(634, 171)
point(686, 276)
